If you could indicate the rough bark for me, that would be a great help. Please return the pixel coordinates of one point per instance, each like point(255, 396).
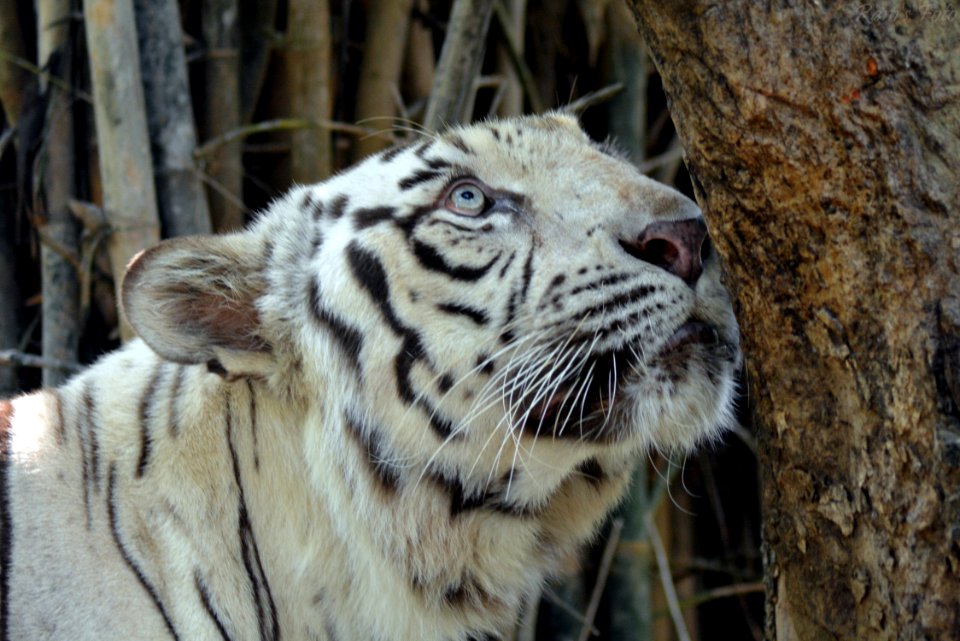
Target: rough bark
point(54, 177)
point(222, 112)
point(309, 88)
point(387, 29)
point(459, 64)
point(173, 136)
point(823, 143)
point(126, 169)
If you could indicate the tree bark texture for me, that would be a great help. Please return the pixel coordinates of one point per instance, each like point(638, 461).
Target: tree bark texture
point(54, 175)
point(173, 136)
point(459, 65)
point(309, 87)
point(823, 141)
point(126, 169)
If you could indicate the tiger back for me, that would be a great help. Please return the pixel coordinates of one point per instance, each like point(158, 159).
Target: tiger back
point(391, 408)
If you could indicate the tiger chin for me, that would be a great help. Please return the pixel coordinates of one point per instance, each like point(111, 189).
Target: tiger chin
point(391, 408)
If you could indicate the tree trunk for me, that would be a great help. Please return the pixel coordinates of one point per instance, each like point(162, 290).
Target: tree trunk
point(222, 113)
point(459, 65)
point(387, 28)
point(124, 147)
point(309, 88)
point(14, 79)
point(823, 143)
point(58, 231)
point(173, 136)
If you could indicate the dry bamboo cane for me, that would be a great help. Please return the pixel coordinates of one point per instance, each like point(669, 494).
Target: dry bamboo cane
point(124, 149)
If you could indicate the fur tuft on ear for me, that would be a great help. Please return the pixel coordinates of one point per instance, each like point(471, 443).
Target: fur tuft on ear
point(193, 300)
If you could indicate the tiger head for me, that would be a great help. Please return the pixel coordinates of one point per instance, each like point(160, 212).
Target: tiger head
point(502, 289)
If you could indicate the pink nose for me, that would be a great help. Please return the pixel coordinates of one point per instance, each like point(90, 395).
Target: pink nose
point(678, 246)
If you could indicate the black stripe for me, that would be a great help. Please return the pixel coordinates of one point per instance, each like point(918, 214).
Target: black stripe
point(527, 275)
point(600, 283)
point(61, 426)
point(313, 207)
point(478, 316)
point(431, 259)
point(348, 338)
point(338, 206)
point(506, 265)
point(393, 152)
point(591, 471)
point(369, 216)
point(419, 176)
point(201, 587)
point(125, 554)
point(462, 501)
point(371, 275)
point(437, 163)
point(146, 405)
point(260, 586)
point(386, 474)
point(89, 448)
point(459, 143)
point(6, 517)
point(253, 424)
point(424, 147)
point(173, 412)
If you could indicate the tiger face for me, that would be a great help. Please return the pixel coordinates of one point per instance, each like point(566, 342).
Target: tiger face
point(506, 296)
point(422, 383)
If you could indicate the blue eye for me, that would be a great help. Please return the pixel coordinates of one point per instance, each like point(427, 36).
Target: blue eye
point(467, 198)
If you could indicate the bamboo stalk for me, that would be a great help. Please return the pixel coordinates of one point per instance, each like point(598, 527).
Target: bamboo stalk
point(54, 178)
point(222, 112)
point(308, 60)
point(511, 18)
point(126, 169)
point(387, 28)
point(257, 40)
point(14, 78)
point(459, 64)
point(173, 136)
point(419, 60)
point(628, 64)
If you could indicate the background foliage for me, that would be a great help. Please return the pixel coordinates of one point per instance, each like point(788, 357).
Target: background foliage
point(124, 122)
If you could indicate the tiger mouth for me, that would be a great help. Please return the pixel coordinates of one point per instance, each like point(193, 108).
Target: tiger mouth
point(581, 409)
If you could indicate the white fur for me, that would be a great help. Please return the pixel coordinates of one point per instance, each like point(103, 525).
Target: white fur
point(315, 543)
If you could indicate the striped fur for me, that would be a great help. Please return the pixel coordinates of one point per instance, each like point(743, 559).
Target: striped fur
point(390, 409)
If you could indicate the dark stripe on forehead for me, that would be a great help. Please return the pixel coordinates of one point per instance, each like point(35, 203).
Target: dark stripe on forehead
point(431, 259)
point(478, 316)
point(393, 152)
point(369, 441)
point(311, 206)
point(419, 176)
point(348, 338)
point(338, 206)
point(368, 216)
point(460, 144)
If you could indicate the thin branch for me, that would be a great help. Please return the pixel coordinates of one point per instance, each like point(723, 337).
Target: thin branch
point(59, 83)
point(669, 590)
point(604, 571)
point(277, 124)
point(14, 358)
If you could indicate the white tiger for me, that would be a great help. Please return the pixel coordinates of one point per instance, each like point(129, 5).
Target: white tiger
point(390, 409)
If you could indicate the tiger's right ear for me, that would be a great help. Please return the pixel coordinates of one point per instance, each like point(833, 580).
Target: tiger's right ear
point(193, 300)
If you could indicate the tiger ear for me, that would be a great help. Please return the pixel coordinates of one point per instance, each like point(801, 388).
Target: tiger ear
point(193, 300)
